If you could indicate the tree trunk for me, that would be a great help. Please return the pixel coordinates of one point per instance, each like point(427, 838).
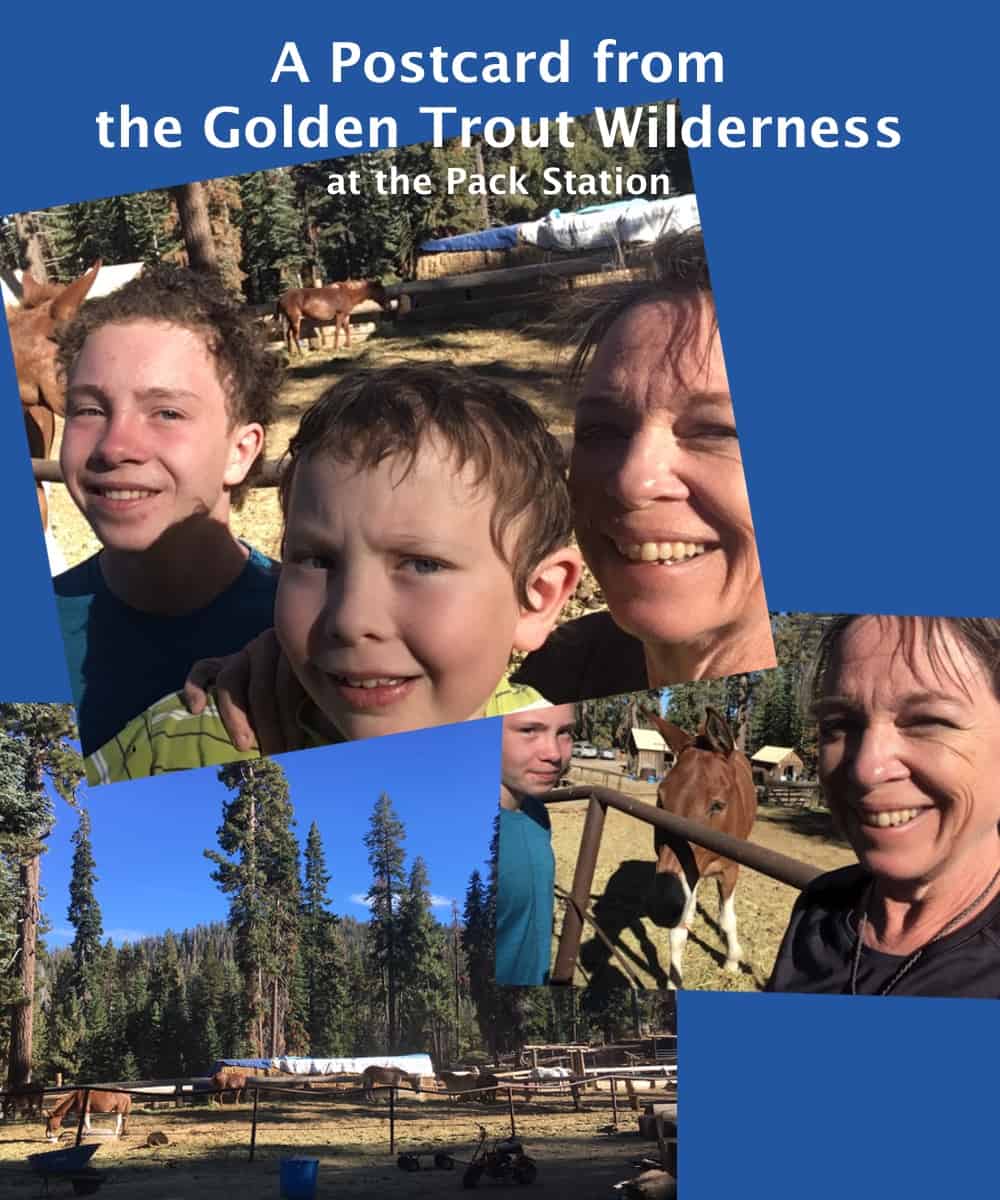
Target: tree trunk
point(196, 229)
point(22, 1022)
point(29, 241)
point(484, 203)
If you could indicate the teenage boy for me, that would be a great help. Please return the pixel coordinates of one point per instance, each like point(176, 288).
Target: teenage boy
point(427, 530)
point(170, 388)
point(536, 752)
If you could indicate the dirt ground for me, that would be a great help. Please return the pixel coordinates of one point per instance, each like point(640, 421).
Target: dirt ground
point(508, 349)
point(623, 905)
point(208, 1149)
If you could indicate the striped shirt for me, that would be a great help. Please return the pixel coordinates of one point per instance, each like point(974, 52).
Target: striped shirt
point(167, 737)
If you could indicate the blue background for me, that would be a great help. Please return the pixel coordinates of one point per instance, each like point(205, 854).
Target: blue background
point(856, 296)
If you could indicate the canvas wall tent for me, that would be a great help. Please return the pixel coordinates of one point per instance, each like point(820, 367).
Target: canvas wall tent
point(776, 764)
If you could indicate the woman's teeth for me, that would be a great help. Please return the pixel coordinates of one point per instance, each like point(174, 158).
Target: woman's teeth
point(882, 820)
point(666, 553)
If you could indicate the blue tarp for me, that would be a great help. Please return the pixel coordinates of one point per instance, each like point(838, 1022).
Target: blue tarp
point(501, 238)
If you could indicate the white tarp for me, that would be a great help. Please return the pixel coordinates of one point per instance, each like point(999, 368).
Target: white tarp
point(641, 221)
point(412, 1064)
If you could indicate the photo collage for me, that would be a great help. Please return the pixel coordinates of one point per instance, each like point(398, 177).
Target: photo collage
point(424, 682)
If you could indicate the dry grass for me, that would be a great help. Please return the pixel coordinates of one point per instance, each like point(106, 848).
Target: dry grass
point(207, 1154)
point(623, 898)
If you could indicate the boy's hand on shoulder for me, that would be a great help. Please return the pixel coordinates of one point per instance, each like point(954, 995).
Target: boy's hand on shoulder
point(257, 694)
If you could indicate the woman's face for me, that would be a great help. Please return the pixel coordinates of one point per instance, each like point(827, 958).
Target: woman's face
point(662, 513)
point(909, 753)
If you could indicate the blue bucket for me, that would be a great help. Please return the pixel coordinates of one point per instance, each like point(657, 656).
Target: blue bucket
point(298, 1178)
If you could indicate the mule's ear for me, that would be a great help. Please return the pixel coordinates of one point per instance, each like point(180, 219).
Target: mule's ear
point(32, 291)
point(675, 737)
point(64, 306)
point(717, 732)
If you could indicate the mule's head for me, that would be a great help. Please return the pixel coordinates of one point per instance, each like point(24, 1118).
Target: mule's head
point(705, 780)
point(53, 1124)
point(44, 307)
point(415, 1081)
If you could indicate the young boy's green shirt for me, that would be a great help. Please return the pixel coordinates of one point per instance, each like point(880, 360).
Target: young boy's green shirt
point(166, 737)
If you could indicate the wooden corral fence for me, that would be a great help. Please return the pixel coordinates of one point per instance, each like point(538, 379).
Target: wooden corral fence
point(757, 858)
point(481, 290)
point(47, 470)
point(799, 795)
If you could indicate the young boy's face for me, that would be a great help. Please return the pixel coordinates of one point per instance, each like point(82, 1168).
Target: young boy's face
point(148, 441)
point(394, 608)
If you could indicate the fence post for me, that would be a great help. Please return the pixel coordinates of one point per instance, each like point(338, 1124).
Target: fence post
point(583, 878)
point(253, 1127)
point(392, 1120)
point(614, 1100)
point(510, 1109)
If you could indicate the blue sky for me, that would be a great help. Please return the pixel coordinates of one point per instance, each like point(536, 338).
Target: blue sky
point(148, 836)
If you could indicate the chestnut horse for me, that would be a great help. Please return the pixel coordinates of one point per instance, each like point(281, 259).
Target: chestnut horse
point(333, 303)
point(230, 1081)
point(43, 307)
point(387, 1077)
point(119, 1103)
point(710, 782)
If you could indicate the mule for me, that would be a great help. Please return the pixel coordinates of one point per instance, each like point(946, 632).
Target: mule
point(230, 1081)
point(371, 1077)
point(710, 782)
point(119, 1103)
point(325, 305)
point(461, 1083)
point(44, 306)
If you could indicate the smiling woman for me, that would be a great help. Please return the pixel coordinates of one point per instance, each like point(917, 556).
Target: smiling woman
point(660, 501)
point(909, 756)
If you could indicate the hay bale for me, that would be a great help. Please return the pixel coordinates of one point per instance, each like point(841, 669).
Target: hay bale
point(464, 262)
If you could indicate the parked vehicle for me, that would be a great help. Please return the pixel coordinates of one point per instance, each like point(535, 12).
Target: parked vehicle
point(609, 755)
point(588, 750)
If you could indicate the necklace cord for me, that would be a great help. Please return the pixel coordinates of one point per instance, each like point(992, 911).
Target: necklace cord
point(914, 958)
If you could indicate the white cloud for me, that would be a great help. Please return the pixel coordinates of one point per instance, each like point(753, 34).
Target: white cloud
point(125, 935)
point(440, 901)
point(360, 898)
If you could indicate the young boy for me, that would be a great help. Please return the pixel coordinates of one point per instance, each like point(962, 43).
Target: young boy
point(537, 747)
point(170, 388)
point(427, 529)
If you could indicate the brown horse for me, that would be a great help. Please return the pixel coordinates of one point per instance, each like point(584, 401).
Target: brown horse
point(44, 306)
point(324, 305)
point(371, 1077)
point(469, 1083)
point(230, 1081)
point(119, 1103)
point(710, 782)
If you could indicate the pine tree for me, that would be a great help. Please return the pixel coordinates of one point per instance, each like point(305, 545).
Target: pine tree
point(324, 986)
point(261, 877)
point(423, 991)
point(43, 733)
point(84, 911)
point(384, 842)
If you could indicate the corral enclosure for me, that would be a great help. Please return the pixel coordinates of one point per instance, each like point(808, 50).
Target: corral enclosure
point(622, 897)
point(208, 1146)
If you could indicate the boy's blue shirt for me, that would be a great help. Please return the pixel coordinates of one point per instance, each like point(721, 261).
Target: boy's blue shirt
point(121, 660)
point(525, 895)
